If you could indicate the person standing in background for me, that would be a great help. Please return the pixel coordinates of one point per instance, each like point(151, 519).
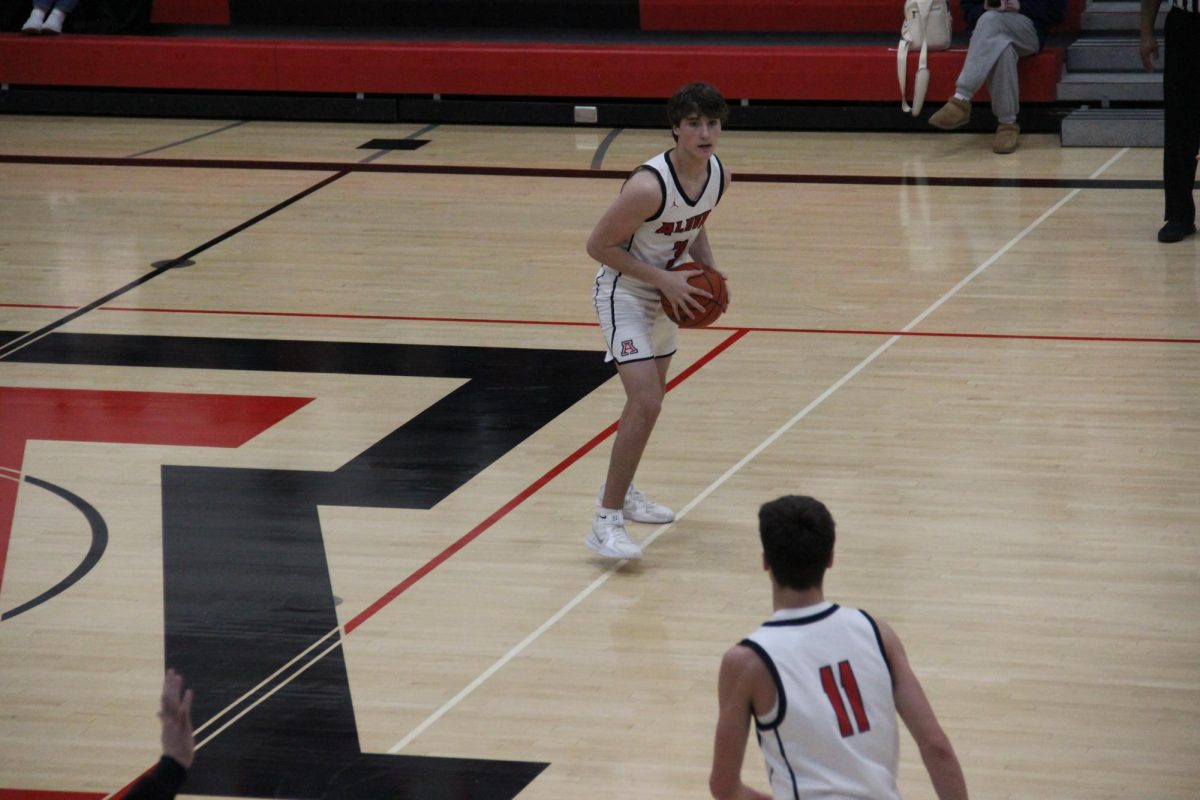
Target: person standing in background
point(1181, 109)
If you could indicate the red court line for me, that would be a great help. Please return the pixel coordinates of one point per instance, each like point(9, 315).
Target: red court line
point(954, 335)
point(524, 495)
point(94, 415)
point(559, 323)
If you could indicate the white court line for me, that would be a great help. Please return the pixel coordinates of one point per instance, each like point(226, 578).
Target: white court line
point(200, 743)
point(227, 709)
point(253, 705)
point(787, 426)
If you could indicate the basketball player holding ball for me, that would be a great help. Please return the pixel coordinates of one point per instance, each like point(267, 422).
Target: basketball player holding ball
point(655, 223)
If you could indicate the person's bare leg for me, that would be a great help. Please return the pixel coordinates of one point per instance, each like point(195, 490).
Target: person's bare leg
point(645, 385)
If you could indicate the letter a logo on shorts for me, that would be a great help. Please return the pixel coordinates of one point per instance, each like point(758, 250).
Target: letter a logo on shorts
point(627, 348)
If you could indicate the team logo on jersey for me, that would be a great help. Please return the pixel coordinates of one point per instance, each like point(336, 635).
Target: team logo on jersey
point(627, 348)
point(683, 225)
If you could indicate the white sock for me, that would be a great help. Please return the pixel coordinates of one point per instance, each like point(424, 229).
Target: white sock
point(961, 96)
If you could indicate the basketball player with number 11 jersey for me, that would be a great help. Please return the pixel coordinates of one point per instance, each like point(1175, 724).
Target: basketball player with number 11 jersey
point(823, 684)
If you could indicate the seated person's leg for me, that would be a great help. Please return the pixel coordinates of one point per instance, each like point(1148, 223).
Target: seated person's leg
point(998, 35)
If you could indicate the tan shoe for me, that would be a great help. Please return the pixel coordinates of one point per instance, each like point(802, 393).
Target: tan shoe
point(952, 115)
point(1006, 138)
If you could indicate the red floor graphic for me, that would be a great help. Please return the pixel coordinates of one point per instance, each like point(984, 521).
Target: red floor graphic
point(198, 420)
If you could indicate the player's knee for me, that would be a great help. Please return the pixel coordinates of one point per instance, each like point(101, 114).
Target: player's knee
point(648, 404)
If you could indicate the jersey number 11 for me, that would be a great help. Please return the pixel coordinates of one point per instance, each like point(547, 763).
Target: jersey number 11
point(850, 686)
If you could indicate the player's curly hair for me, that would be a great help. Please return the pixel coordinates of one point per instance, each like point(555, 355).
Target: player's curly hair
point(797, 534)
point(696, 98)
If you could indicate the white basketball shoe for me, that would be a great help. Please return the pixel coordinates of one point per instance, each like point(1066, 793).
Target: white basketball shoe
point(609, 537)
point(640, 508)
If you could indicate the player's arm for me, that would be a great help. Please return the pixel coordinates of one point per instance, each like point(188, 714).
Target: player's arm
point(640, 199)
point(740, 669)
point(913, 707)
point(701, 250)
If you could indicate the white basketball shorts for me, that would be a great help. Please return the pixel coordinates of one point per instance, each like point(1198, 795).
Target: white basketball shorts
point(634, 325)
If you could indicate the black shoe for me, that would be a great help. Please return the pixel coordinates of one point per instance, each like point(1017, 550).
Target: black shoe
point(1176, 231)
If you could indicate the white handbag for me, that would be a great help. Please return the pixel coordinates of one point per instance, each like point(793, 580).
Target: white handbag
point(927, 25)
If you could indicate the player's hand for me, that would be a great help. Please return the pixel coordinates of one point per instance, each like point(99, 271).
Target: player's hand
point(1149, 50)
point(176, 715)
point(681, 294)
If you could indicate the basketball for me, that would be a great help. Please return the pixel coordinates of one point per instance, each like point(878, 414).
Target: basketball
point(712, 282)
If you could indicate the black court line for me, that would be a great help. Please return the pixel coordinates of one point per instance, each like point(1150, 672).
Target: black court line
point(189, 139)
point(16, 344)
point(546, 172)
point(99, 544)
point(602, 150)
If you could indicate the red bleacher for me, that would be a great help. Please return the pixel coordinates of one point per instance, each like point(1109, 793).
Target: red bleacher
point(488, 68)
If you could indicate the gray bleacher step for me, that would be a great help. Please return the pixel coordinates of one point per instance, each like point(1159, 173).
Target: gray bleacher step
point(1113, 127)
point(1122, 15)
point(1111, 86)
point(1108, 54)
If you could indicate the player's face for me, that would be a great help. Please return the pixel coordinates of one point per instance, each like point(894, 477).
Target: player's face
point(698, 135)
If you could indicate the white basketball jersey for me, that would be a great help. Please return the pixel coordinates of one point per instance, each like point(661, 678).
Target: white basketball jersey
point(663, 239)
point(833, 733)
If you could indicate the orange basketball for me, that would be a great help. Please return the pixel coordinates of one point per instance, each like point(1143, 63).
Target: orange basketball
point(712, 282)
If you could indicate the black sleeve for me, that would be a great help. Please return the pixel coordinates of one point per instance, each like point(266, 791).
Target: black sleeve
point(160, 783)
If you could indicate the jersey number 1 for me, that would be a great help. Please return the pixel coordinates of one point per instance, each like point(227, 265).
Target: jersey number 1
point(850, 686)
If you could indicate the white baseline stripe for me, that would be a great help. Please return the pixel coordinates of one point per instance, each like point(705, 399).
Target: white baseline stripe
point(787, 426)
